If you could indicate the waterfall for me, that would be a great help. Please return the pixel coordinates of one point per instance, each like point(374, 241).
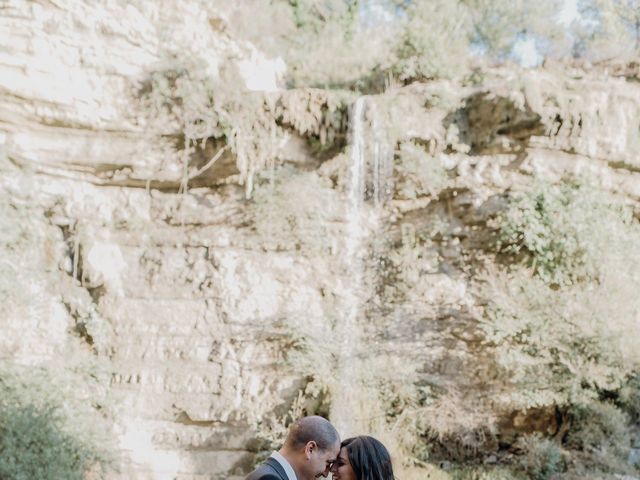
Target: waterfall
point(356, 186)
point(367, 188)
point(382, 161)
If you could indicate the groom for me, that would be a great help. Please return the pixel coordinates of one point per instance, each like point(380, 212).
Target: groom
point(311, 447)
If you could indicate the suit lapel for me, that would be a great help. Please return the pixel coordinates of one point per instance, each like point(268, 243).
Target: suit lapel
point(272, 462)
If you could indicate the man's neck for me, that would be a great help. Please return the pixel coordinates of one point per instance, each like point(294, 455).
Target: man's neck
point(291, 458)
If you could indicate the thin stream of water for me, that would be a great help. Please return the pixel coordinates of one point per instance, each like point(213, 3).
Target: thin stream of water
point(369, 163)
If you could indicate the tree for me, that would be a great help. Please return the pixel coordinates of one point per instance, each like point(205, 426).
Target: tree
point(496, 25)
point(434, 41)
point(626, 16)
point(606, 29)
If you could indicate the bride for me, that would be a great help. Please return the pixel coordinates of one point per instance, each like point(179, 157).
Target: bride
point(362, 458)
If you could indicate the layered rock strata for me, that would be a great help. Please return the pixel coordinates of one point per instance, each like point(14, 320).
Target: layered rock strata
point(193, 319)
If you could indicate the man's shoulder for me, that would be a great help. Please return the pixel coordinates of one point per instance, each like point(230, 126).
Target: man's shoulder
point(264, 472)
point(256, 475)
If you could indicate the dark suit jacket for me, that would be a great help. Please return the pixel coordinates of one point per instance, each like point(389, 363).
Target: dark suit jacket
point(269, 470)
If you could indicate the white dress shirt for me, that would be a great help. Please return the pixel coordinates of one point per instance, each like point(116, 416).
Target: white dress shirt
point(291, 475)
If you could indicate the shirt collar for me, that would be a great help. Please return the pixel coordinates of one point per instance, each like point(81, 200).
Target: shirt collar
point(291, 475)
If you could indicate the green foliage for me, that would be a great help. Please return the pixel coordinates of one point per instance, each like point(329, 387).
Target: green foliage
point(418, 172)
point(565, 229)
point(446, 427)
point(38, 438)
point(308, 33)
point(563, 330)
point(181, 97)
point(601, 429)
point(423, 39)
point(23, 278)
point(542, 457)
point(561, 346)
point(430, 26)
point(184, 100)
point(318, 115)
point(406, 39)
point(324, 27)
point(32, 445)
point(562, 323)
point(486, 473)
point(495, 26)
point(306, 224)
point(630, 398)
point(606, 29)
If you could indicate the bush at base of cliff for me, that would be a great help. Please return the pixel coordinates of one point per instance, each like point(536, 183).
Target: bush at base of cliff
point(564, 326)
point(542, 457)
point(561, 346)
point(630, 398)
point(33, 444)
point(487, 473)
point(40, 437)
point(601, 433)
point(564, 320)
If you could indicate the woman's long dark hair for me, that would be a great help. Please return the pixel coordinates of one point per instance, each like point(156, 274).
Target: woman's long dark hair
point(369, 458)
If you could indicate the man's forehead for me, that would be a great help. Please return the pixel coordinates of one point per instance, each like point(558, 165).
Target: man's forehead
point(336, 450)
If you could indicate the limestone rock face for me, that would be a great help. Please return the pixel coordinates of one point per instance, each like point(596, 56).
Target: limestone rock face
point(162, 308)
point(70, 72)
point(202, 327)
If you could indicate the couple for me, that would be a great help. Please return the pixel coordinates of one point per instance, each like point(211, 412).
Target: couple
point(313, 449)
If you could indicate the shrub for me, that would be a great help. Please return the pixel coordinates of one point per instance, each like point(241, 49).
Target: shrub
point(184, 100)
point(562, 324)
point(601, 430)
point(38, 439)
point(180, 97)
point(429, 26)
point(304, 224)
point(542, 457)
point(563, 339)
point(486, 473)
point(419, 172)
point(33, 444)
point(562, 346)
point(308, 33)
point(630, 398)
point(567, 230)
point(568, 341)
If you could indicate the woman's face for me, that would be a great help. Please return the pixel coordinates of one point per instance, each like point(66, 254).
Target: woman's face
point(341, 469)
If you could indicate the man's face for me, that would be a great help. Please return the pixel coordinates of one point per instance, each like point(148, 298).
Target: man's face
point(320, 461)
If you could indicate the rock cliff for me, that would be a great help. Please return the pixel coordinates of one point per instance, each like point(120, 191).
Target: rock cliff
point(202, 313)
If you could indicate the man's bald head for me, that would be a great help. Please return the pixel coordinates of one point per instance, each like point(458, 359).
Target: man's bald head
point(313, 428)
point(311, 447)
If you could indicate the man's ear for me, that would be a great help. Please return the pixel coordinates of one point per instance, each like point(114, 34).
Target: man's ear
point(309, 448)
